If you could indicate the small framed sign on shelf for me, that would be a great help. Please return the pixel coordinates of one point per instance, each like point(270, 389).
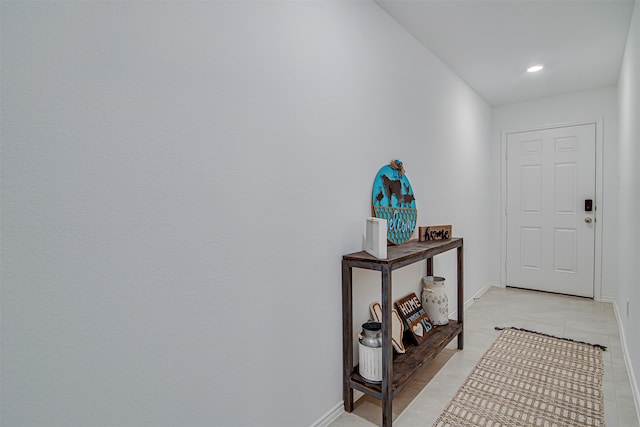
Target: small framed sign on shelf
point(376, 237)
point(411, 310)
point(434, 232)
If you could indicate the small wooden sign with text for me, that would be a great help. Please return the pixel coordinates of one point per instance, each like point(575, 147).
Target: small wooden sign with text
point(411, 310)
point(434, 232)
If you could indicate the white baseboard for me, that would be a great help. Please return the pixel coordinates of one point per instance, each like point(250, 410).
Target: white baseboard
point(498, 285)
point(330, 416)
point(468, 303)
point(481, 292)
point(627, 361)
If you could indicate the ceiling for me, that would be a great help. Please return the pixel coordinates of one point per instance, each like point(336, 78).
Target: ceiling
point(490, 43)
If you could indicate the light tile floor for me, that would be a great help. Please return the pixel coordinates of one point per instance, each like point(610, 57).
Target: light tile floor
point(563, 316)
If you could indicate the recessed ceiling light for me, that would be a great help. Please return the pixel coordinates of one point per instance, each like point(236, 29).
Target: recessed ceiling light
point(535, 68)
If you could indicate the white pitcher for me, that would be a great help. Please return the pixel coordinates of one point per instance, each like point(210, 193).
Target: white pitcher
point(434, 300)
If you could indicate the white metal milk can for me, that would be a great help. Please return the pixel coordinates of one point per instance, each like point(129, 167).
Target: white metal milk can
point(434, 300)
point(370, 352)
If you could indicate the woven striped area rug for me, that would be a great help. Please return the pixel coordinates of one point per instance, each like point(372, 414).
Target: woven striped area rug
point(531, 379)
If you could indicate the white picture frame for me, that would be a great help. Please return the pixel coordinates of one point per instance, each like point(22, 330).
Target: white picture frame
point(376, 237)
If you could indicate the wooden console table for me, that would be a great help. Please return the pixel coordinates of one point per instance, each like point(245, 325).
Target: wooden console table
point(399, 370)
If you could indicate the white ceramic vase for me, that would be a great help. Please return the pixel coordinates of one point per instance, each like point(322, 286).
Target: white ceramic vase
point(434, 300)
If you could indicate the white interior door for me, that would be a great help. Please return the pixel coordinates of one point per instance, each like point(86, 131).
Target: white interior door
point(550, 233)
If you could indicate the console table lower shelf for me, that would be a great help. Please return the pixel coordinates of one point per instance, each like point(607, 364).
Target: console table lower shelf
point(409, 364)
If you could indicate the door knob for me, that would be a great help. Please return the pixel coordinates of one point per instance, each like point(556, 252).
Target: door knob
point(588, 220)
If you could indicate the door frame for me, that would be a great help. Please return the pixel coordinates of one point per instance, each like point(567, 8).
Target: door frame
point(598, 212)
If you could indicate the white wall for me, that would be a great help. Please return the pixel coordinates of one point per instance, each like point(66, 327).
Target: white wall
point(179, 183)
point(629, 196)
point(589, 106)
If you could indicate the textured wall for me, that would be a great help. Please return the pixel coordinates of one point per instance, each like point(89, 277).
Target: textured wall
point(179, 183)
point(629, 195)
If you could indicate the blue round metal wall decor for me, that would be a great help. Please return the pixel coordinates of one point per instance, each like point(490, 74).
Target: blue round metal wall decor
point(392, 199)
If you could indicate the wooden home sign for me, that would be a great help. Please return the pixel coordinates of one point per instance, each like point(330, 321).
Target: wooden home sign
point(413, 314)
point(434, 232)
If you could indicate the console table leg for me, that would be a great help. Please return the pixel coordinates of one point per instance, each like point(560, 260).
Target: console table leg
point(460, 257)
point(387, 416)
point(347, 336)
point(387, 349)
point(348, 399)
